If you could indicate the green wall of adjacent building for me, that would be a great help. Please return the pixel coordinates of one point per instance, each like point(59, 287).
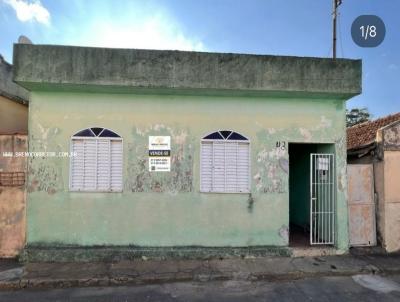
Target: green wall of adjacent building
point(167, 209)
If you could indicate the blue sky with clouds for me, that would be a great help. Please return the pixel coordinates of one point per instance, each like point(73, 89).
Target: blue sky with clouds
point(290, 27)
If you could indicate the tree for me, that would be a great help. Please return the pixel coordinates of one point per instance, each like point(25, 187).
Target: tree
point(356, 116)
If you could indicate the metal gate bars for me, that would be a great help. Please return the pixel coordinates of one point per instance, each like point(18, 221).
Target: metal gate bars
point(322, 203)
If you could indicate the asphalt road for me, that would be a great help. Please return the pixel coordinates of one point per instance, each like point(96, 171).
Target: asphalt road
point(356, 288)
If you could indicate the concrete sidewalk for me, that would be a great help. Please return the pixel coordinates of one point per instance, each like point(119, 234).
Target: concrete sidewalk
point(61, 275)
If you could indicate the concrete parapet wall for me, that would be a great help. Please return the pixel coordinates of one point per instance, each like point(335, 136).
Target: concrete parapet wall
point(37, 66)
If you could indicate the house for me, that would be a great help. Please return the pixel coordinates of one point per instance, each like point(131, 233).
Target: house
point(152, 152)
point(373, 153)
point(13, 102)
point(13, 138)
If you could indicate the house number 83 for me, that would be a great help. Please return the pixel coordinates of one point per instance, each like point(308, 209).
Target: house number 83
point(281, 145)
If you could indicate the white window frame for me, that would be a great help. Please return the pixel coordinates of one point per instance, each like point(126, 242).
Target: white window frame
point(247, 141)
point(96, 138)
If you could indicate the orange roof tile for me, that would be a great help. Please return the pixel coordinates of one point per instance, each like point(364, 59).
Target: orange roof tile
point(365, 133)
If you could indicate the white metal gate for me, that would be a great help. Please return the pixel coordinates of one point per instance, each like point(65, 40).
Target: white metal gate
point(322, 203)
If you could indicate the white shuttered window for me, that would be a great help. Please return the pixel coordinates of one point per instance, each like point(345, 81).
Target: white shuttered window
point(97, 164)
point(225, 163)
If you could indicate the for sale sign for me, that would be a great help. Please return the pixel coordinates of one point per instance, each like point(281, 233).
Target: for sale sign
point(159, 153)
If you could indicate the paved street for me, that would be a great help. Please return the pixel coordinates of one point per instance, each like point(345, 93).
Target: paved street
point(356, 288)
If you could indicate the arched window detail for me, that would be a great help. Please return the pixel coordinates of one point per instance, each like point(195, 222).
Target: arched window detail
point(96, 132)
point(96, 164)
point(225, 163)
point(225, 135)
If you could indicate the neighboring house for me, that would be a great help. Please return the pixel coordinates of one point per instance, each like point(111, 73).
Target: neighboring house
point(13, 138)
point(373, 154)
point(13, 103)
point(184, 153)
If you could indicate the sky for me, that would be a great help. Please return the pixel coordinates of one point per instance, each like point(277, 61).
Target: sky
point(276, 27)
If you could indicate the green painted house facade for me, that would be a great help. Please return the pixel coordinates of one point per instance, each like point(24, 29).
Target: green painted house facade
point(242, 129)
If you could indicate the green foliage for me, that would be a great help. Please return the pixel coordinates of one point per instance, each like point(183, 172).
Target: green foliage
point(356, 116)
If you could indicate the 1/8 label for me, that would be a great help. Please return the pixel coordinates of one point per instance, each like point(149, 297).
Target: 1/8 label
point(368, 31)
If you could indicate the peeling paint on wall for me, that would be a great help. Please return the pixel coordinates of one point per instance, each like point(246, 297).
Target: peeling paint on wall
point(324, 124)
point(341, 173)
point(284, 164)
point(306, 134)
point(391, 137)
point(180, 179)
point(271, 171)
point(43, 176)
point(170, 210)
point(284, 233)
point(44, 173)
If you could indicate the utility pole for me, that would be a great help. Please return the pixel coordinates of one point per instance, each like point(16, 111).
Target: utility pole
point(336, 4)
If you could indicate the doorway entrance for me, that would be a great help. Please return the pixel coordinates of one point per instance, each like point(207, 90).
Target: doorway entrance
point(311, 194)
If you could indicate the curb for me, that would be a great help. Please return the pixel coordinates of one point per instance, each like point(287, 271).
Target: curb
point(44, 283)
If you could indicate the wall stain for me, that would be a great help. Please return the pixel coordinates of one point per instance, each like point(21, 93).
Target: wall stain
point(284, 164)
point(13, 219)
point(179, 179)
point(272, 169)
point(391, 137)
point(341, 171)
point(283, 232)
point(250, 203)
point(45, 173)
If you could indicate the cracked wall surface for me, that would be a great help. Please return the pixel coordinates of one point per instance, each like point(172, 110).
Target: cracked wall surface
point(167, 208)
